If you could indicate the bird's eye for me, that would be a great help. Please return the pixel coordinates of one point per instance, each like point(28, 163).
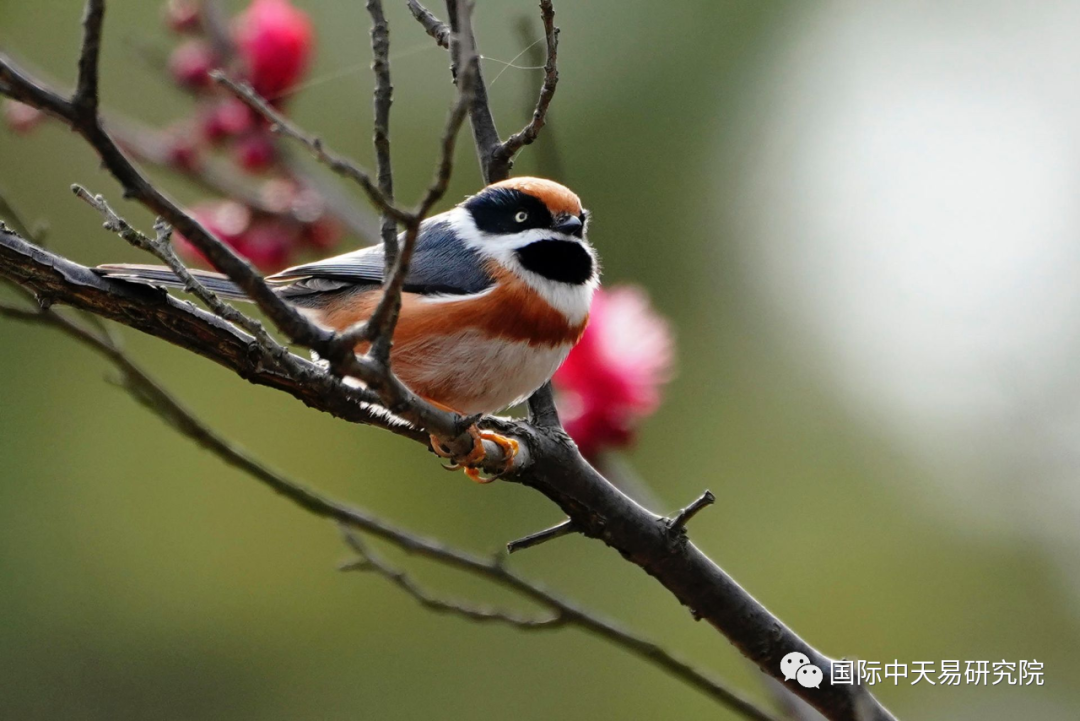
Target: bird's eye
point(521, 216)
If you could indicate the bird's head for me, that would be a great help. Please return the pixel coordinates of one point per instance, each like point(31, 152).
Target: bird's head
point(533, 227)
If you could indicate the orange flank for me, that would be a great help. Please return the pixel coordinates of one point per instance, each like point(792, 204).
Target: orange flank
point(511, 311)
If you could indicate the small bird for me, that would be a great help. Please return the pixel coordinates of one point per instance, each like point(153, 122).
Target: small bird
point(497, 293)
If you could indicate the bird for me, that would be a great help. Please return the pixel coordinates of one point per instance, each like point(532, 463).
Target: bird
point(497, 294)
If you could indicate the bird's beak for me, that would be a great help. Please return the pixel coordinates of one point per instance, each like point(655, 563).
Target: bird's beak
point(571, 225)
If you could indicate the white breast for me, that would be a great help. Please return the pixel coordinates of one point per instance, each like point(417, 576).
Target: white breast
point(475, 373)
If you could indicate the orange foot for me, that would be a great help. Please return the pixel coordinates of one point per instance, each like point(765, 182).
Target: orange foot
point(470, 462)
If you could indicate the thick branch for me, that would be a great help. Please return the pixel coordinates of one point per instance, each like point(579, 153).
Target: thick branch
point(57, 280)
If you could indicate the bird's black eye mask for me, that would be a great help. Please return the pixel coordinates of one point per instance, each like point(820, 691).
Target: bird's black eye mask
point(506, 210)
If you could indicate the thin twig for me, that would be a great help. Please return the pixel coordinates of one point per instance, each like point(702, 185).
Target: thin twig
point(546, 157)
point(535, 539)
point(679, 521)
point(336, 162)
point(390, 303)
point(505, 152)
point(368, 560)
point(485, 134)
point(432, 25)
point(380, 326)
point(162, 249)
point(85, 100)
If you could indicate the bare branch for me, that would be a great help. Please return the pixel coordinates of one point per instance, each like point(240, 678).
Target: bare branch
point(505, 152)
point(432, 25)
point(542, 410)
point(21, 87)
point(54, 279)
point(384, 98)
point(463, 51)
point(85, 101)
point(337, 163)
point(380, 327)
point(678, 523)
point(148, 145)
point(384, 318)
point(161, 249)
point(369, 560)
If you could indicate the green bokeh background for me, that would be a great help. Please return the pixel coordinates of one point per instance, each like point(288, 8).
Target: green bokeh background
point(140, 578)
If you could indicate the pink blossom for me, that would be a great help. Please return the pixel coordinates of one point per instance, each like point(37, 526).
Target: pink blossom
point(275, 41)
point(182, 152)
point(191, 63)
point(20, 117)
point(226, 219)
point(255, 153)
point(611, 380)
point(182, 16)
point(227, 119)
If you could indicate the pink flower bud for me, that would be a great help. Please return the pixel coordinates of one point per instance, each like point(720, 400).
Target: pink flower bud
point(191, 63)
point(227, 119)
point(611, 380)
point(226, 219)
point(268, 244)
point(20, 117)
point(181, 150)
point(275, 41)
point(182, 16)
point(255, 153)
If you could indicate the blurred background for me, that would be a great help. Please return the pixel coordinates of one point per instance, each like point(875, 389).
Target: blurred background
point(860, 221)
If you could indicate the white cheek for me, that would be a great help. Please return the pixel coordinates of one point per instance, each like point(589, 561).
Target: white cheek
point(572, 301)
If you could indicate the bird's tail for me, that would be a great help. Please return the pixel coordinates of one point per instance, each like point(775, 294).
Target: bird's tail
point(159, 275)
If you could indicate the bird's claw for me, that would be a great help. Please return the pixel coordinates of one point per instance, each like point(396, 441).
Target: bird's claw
point(471, 461)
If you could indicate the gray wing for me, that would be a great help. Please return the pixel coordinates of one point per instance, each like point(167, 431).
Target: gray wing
point(441, 264)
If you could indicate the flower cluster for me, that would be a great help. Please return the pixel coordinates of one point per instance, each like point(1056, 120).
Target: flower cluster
point(270, 45)
point(611, 380)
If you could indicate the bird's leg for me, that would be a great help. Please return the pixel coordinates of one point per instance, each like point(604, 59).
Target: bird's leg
point(475, 456)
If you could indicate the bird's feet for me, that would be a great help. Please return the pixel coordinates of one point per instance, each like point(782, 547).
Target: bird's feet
point(476, 456)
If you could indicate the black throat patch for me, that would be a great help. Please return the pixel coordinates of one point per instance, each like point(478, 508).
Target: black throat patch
point(560, 260)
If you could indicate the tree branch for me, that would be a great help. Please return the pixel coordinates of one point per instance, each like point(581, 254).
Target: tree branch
point(161, 249)
point(392, 394)
point(549, 461)
point(281, 125)
point(434, 27)
point(85, 100)
point(505, 152)
point(563, 612)
point(485, 135)
point(535, 539)
point(369, 560)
